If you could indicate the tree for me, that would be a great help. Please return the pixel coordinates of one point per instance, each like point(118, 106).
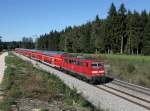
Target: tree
point(143, 30)
point(122, 27)
point(111, 30)
point(135, 32)
point(68, 40)
point(86, 43)
point(129, 31)
point(146, 47)
point(27, 43)
point(1, 46)
point(97, 34)
point(0, 39)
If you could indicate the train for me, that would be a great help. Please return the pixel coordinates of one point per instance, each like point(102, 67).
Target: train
point(81, 66)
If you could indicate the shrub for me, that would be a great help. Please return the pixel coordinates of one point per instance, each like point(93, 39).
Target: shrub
point(6, 104)
point(130, 68)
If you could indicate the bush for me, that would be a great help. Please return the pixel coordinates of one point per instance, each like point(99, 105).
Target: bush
point(6, 104)
point(130, 68)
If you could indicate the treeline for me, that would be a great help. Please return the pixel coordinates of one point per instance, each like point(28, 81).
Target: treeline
point(1, 47)
point(121, 32)
point(27, 42)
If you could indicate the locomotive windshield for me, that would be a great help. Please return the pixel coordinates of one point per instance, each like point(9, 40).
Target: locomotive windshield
point(96, 65)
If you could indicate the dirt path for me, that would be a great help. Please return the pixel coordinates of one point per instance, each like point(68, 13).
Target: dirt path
point(2, 69)
point(2, 65)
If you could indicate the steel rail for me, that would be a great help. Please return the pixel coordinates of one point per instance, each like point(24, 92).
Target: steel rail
point(125, 98)
point(139, 89)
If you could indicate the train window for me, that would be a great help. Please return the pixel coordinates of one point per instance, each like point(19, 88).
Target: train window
point(73, 62)
point(66, 60)
point(80, 64)
point(77, 62)
point(99, 65)
point(70, 61)
point(96, 65)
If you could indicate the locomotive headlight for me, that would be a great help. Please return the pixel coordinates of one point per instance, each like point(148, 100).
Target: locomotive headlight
point(94, 72)
point(101, 71)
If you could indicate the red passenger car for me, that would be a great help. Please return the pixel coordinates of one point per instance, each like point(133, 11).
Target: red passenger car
point(87, 68)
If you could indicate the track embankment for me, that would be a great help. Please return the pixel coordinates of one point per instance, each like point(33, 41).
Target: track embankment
point(98, 97)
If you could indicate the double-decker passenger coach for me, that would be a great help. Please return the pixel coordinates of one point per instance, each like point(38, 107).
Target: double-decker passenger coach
point(78, 65)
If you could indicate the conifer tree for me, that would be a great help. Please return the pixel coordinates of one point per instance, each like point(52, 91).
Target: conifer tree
point(122, 27)
point(111, 29)
point(128, 31)
point(146, 47)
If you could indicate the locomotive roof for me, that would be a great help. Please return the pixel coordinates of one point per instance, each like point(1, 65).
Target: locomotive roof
point(45, 51)
point(83, 58)
point(64, 54)
point(50, 53)
point(53, 53)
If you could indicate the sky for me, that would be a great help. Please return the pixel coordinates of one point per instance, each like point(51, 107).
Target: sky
point(31, 18)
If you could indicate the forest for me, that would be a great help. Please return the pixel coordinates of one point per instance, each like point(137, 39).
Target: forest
point(122, 32)
point(26, 42)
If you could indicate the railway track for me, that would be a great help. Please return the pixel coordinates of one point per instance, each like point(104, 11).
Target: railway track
point(130, 86)
point(126, 91)
point(143, 100)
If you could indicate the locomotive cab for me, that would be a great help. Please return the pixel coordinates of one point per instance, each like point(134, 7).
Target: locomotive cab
point(97, 69)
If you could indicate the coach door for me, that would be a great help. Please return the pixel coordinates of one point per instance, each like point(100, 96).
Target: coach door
point(53, 61)
point(86, 68)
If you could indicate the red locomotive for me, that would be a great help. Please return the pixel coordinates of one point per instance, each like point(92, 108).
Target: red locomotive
point(87, 68)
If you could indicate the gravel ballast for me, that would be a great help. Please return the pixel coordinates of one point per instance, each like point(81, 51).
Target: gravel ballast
point(97, 97)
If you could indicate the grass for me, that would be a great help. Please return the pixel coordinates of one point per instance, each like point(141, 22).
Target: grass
point(132, 58)
point(134, 69)
point(22, 80)
point(131, 68)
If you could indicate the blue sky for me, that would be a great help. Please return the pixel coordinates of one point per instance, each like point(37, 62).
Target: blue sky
point(31, 18)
